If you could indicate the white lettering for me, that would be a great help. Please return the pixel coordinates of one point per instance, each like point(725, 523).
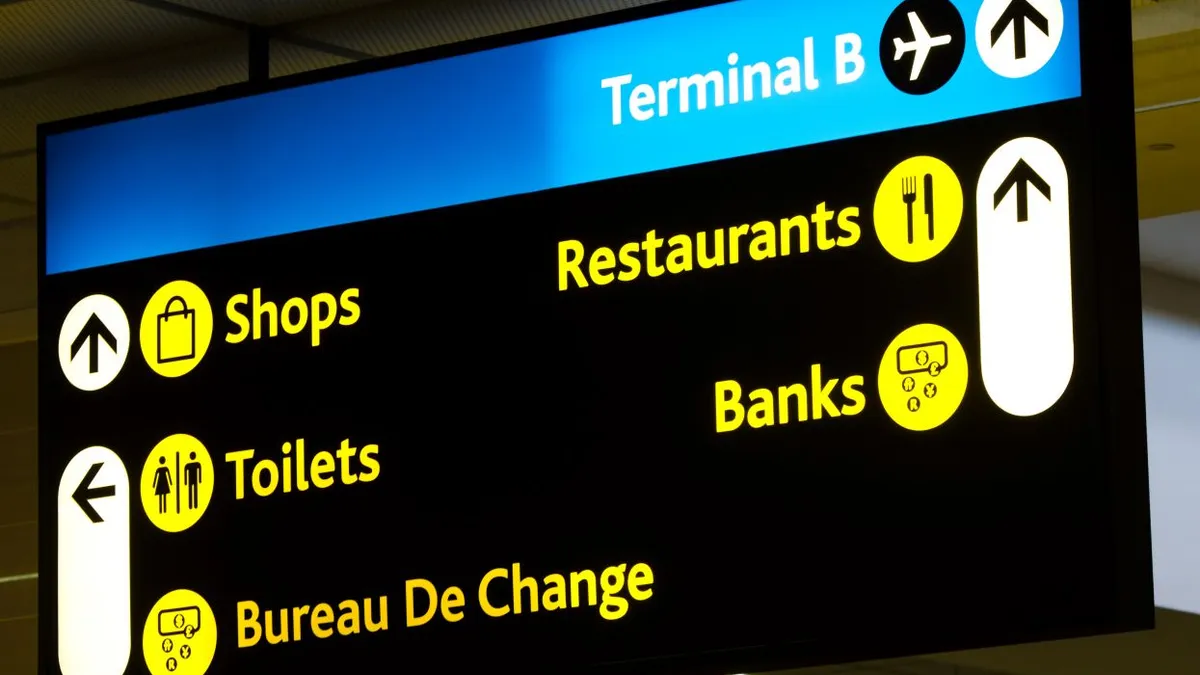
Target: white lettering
point(664, 95)
point(763, 71)
point(641, 102)
point(733, 78)
point(738, 83)
point(699, 85)
point(811, 82)
point(788, 79)
point(849, 53)
point(615, 83)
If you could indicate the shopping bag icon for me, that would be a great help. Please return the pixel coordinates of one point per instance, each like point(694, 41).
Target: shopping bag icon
point(176, 332)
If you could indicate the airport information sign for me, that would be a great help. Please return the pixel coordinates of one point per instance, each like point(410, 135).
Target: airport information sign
point(706, 338)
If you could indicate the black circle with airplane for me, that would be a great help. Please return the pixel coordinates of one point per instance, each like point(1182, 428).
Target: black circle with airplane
point(922, 45)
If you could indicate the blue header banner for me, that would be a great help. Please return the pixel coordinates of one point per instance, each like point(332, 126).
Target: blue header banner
point(703, 85)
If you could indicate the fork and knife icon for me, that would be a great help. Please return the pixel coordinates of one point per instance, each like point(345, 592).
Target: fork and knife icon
point(909, 191)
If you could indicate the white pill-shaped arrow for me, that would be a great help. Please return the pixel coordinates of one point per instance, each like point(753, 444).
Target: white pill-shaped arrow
point(94, 627)
point(1026, 322)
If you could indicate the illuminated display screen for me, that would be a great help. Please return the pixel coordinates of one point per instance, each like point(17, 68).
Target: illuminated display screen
point(722, 337)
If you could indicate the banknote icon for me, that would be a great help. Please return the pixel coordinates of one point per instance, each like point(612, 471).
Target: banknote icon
point(183, 621)
point(930, 357)
point(178, 621)
point(923, 377)
point(927, 357)
point(180, 635)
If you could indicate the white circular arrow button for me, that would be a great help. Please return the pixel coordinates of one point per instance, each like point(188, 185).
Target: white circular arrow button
point(93, 342)
point(1016, 38)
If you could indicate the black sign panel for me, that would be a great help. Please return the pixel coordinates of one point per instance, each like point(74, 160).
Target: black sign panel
point(870, 395)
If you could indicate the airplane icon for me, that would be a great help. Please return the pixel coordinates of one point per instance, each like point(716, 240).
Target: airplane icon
point(921, 45)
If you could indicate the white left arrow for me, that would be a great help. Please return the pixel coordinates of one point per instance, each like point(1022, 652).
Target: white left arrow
point(94, 626)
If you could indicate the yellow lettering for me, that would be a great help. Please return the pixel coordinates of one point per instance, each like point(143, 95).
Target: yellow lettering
point(612, 581)
point(265, 488)
point(249, 629)
point(323, 470)
point(317, 314)
point(800, 225)
point(641, 578)
point(821, 402)
point(798, 392)
point(301, 478)
point(650, 246)
point(294, 325)
point(578, 579)
point(322, 617)
point(348, 621)
point(410, 588)
point(519, 584)
point(324, 311)
point(353, 312)
point(261, 309)
point(729, 400)
point(601, 265)
point(555, 595)
point(613, 589)
point(239, 459)
point(820, 220)
point(370, 464)
point(822, 398)
point(736, 233)
point(344, 454)
point(632, 266)
point(374, 625)
point(243, 324)
point(852, 390)
point(679, 258)
point(287, 467)
point(717, 259)
point(849, 227)
point(452, 600)
point(487, 607)
point(322, 466)
point(298, 615)
point(274, 638)
point(764, 243)
point(570, 257)
point(685, 252)
point(762, 409)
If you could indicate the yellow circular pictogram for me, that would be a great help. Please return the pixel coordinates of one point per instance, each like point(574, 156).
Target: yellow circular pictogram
point(177, 328)
point(918, 209)
point(180, 637)
point(177, 483)
point(923, 377)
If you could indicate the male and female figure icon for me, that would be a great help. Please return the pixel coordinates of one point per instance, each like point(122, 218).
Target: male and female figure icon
point(164, 482)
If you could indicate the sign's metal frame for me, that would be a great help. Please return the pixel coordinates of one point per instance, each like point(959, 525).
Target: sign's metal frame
point(1107, 78)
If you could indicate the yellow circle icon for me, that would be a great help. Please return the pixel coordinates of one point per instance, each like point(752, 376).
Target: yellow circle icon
point(918, 209)
point(923, 377)
point(177, 483)
point(180, 637)
point(177, 327)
